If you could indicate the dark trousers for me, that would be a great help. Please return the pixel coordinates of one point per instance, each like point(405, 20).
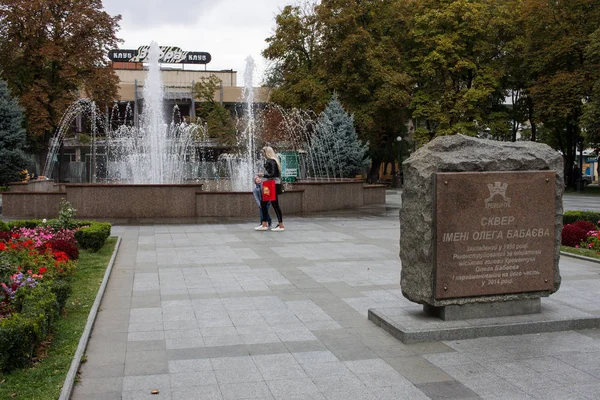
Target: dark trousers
point(275, 205)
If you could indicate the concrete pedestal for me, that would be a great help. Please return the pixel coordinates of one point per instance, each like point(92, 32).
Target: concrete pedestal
point(457, 312)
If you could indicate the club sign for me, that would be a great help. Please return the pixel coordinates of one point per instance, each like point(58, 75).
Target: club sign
point(168, 55)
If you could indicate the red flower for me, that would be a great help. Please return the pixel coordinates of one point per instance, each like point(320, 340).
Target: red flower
point(43, 270)
point(15, 235)
point(29, 271)
point(60, 271)
point(19, 268)
point(2, 246)
point(13, 246)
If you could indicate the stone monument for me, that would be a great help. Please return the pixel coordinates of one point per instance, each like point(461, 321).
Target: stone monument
point(481, 227)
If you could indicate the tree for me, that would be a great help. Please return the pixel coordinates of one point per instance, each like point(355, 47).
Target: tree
point(218, 119)
point(294, 52)
point(349, 47)
point(12, 137)
point(561, 53)
point(335, 146)
point(455, 49)
point(51, 50)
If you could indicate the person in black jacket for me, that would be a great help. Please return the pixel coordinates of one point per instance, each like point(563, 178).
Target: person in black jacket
point(272, 171)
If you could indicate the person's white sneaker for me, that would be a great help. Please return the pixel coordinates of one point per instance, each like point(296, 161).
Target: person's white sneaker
point(278, 229)
point(261, 228)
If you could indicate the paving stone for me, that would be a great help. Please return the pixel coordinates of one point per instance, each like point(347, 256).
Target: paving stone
point(206, 392)
point(353, 353)
point(245, 390)
point(95, 396)
point(418, 370)
point(301, 386)
point(146, 363)
point(99, 385)
point(146, 395)
point(238, 374)
point(315, 357)
point(189, 379)
point(299, 347)
point(146, 345)
point(102, 371)
point(146, 383)
point(447, 390)
point(227, 351)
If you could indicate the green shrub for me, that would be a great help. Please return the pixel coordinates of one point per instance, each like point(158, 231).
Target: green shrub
point(25, 223)
point(80, 222)
point(22, 332)
point(62, 290)
point(94, 236)
point(578, 215)
point(17, 342)
point(41, 305)
point(4, 227)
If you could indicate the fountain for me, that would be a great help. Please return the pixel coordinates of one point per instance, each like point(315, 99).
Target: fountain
point(153, 171)
point(156, 152)
point(244, 165)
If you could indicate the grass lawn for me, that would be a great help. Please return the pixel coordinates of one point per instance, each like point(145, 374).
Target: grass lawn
point(581, 252)
point(45, 378)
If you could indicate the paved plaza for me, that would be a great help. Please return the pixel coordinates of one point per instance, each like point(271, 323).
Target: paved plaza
point(221, 311)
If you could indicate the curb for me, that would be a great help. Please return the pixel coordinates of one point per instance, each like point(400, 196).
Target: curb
point(590, 259)
point(67, 388)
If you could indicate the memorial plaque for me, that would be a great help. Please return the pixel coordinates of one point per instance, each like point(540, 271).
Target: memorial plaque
point(494, 233)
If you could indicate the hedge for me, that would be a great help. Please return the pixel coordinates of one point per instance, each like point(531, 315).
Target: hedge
point(94, 236)
point(25, 223)
point(577, 215)
point(22, 332)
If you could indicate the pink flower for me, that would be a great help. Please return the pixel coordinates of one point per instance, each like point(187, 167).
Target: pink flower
point(576, 246)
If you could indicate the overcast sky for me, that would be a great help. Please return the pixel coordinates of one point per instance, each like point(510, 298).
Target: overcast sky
point(230, 30)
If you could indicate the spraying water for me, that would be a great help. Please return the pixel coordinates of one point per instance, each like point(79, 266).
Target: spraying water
point(156, 152)
point(244, 165)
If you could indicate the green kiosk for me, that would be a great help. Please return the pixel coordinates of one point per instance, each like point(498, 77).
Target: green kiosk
point(289, 165)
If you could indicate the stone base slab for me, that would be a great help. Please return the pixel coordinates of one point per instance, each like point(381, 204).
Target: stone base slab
point(413, 325)
point(457, 312)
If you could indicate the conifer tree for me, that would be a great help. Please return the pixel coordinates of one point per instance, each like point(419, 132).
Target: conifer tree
point(335, 148)
point(12, 137)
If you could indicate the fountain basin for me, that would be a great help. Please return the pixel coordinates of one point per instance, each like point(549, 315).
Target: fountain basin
point(160, 202)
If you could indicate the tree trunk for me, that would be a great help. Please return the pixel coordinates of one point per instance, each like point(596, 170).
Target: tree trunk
point(373, 175)
point(571, 148)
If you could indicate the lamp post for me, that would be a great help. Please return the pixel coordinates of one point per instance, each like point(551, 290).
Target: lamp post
point(399, 173)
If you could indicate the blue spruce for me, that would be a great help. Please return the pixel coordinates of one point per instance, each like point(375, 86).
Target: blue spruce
point(12, 137)
point(336, 149)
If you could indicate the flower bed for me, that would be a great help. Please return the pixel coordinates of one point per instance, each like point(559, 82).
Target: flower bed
point(582, 233)
point(37, 261)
